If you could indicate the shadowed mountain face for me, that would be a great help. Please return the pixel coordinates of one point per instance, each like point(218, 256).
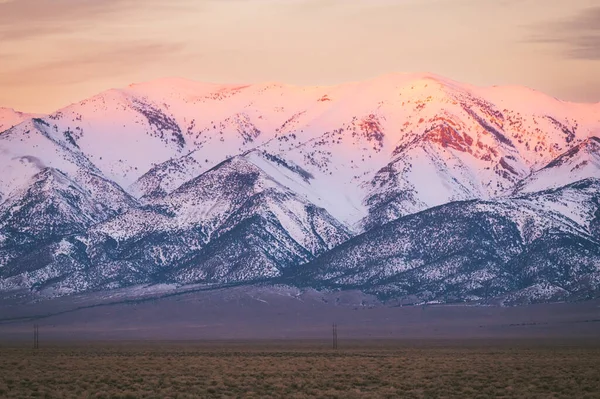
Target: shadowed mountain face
point(407, 186)
point(510, 249)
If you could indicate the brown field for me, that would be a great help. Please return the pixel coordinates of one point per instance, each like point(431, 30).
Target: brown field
point(301, 369)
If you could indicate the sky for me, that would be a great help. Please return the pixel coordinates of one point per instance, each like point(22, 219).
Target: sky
point(56, 52)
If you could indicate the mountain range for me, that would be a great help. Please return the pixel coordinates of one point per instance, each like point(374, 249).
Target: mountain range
point(408, 186)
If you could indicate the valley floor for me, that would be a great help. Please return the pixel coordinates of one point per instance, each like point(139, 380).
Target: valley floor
point(302, 369)
point(280, 312)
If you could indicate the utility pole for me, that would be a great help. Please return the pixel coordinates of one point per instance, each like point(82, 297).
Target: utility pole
point(36, 336)
point(335, 336)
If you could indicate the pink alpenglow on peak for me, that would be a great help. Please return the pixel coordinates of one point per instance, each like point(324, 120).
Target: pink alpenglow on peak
point(10, 118)
point(388, 146)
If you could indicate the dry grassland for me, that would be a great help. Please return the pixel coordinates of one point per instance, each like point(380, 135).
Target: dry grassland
point(401, 369)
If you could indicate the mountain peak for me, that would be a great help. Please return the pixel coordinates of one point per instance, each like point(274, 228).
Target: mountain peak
point(10, 117)
point(176, 84)
point(404, 77)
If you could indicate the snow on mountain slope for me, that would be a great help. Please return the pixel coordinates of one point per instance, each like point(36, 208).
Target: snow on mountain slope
point(209, 200)
point(255, 249)
point(164, 178)
point(473, 250)
point(421, 126)
point(580, 162)
point(36, 223)
point(199, 182)
point(54, 199)
point(471, 148)
point(257, 242)
point(474, 142)
point(44, 221)
point(30, 147)
point(106, 192)
point(10, 118)
point(183, 235)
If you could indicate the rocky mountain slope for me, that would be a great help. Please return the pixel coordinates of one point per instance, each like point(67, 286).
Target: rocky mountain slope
point(542, 246)
point(185, 182)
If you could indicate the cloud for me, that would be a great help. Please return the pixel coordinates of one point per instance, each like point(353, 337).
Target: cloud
point(92, 61)
point(22, 19)
point(33, 160)
point(29, 19)
point(578, 35)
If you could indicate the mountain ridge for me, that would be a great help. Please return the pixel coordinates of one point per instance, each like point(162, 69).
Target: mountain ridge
point(188, 174)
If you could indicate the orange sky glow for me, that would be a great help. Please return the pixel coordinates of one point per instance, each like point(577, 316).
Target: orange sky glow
point(55, 52)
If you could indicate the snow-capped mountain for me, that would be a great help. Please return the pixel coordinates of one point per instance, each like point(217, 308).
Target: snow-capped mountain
point(188, 182)
point(207, 223)
point(366, 144)
point(39, 223)
point(544, 244)
point(9, 118)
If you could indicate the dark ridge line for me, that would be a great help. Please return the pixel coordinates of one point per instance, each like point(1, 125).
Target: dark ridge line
point(9, 320)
